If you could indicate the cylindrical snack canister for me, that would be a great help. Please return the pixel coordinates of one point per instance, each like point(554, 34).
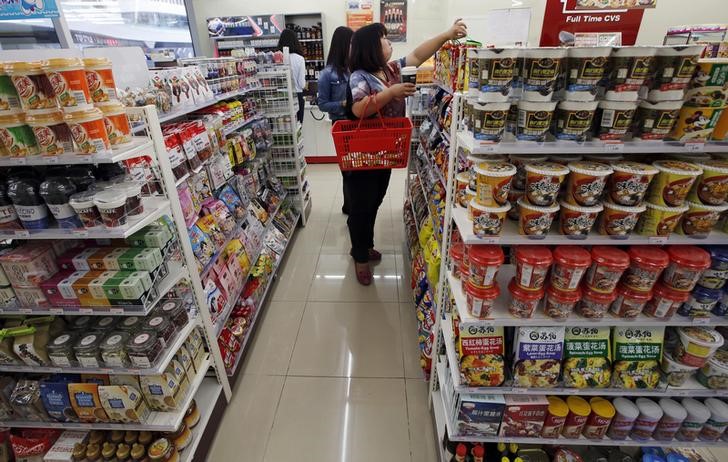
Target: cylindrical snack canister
point(579, 411)
point(673, 415)
point(626, 413)
point(555, 418)
point(650, 415)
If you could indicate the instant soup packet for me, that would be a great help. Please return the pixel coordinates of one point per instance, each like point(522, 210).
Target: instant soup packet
point(481, 355)
point(637, 356)
point(537, 354)
point(587, 357)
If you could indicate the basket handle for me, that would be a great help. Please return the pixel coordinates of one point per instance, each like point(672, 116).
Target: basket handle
point(372, 96)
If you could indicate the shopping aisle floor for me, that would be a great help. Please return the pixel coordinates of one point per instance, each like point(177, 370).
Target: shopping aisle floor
point(333, 373)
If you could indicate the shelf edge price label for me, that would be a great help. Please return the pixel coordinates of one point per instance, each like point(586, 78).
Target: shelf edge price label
point(56, 310)
point(22, 233)
point(695, 147)
point(657, 240)
point(25, 310)
point(489, 240)
point(85, 310)
point(701, 320)
point(80, 232)
point(613, 147)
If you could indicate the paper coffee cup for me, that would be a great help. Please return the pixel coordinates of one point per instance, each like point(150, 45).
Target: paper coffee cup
point(409, 74)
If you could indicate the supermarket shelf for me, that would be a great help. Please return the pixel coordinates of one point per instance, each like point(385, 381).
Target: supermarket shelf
point(501, 316)
point(154, 208)
point(206, 397)
point(235, 126)
point(509, 235)
point(310, 40)
point(445, 133)
point(158, 421)
point(225, 37)
point(139, 146)
point(443, 86)
point(177, 271)
point(438, 409)
point(157, 369)
point(467, 141)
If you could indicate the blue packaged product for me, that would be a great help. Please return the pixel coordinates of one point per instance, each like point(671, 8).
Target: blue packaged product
point(721, 308)
point(480, 415)
point(716, 276)
point(56, 400)
point(231, 199)
point(718, 257)
point(700, 303)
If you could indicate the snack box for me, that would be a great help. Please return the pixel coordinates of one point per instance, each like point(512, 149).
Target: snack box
point(57, 401)
point(28, 266)
point(62, 449)
point(31, 297)
point(479, 415)
point(52, 290)
point(86, 402)
point(140, 259)
point(82, 289)
point(524, 415)
point(162, 392)
point(184, 358)
point(105, 258)
point(124, 404)
point(155, 235)
point(65, 261)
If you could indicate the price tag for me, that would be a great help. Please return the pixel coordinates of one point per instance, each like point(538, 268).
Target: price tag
point(56, 310)
point(520, 391)
point(695, 147)
point(486, 147)
point(613, 147)
point(21, 160)
point(80, 232)
point(2, 310)
point(25, 310)
point(22, 233)
point(116, 310)
point(85, 310)
point(489, 240)
point(52, 159)
point(701, 320)
point(56, 370)
point(657, 239)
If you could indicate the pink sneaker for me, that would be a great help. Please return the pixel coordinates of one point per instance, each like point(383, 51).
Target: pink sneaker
point(363, 273)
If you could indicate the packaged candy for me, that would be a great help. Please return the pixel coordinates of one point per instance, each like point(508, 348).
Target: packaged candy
point(637, 353)
point(230, 198)
point(537, 354)
point(201, 245)
point(222, 215)
point(587, 357)
point(208, 226)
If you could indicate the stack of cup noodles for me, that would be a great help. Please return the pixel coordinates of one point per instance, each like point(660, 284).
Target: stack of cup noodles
point(489, 207)
point(60, 106)
point(478, 267)
point(538, 205)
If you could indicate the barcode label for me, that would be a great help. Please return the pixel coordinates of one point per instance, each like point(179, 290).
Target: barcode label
point(80, 98)
point(608, 117)
point(98, 145)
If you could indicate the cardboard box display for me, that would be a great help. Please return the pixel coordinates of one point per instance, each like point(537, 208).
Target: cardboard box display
point(479, 415)
point(28, 266)
point(57, 401)
point(524, 415)
point(124, 404)
point(62, 449)
point(86, 402)
point(160, 391)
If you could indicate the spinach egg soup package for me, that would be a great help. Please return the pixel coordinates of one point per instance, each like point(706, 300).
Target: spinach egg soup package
point(587, 357)
point(637, 355)
point(537, 354)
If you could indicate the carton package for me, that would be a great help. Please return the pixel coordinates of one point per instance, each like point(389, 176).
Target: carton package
point(86, 402)
point(28, 266)
point(479, 415)
point(62, 449)
point(124, 404)
point(524, 415)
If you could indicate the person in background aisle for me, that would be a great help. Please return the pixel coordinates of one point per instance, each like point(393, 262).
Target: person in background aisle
point(375, 86)
point(298, 66)
point(332, 85)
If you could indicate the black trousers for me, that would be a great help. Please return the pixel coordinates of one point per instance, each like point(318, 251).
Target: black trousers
point(301, 106)
point(366, 192)
point(347, 201)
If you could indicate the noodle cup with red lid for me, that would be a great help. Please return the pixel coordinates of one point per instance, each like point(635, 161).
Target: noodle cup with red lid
point(665, 302)
point(559, 304)
point(543, 182)
point(629, 303)
point(659, 220)
point(570, 265)
point(457, 250)
point(485, 261)
point(464, 272)
point(687, 263)
point(532, 266)
point(576, 222)
point(520, 161)
point(618, 221)
point(700, 219)
point(586, 182)
point(608, 264)
point(534, 221)
point(629, 182)
point(493, 182)
point(697, 344)
point(523, 302)
point(646, 266)
point(481, 299)
point(594, 305)
point(488, 220)
point(673, 182)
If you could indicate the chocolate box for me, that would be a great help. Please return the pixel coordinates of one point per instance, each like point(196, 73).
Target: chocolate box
point(524, 415)
point(124, 404)
point(479, 415)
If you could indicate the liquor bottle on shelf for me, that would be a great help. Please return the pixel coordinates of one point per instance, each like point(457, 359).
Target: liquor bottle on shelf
point(461, 452)
point(478, 453)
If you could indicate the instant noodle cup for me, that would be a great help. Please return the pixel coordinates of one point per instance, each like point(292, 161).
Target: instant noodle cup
point(687, 264)
point(629, 69)
point(16, 136)
point(489, 121)
point(68, 79)
point(493, 182)
point(654, 121)
point(714, 374)
point(532, 266)
point(485, 261)
point(608, 264)
point(700, 303)
point(676, 373)
point(618, 221)
point(711, 187)
point(116, 121)
point(32, 85)
point(494, 73)
point(574, 120)
point(716, 425)
point(89, 131)
point(576, 222)
point(646, 266)
point(594, 305)
point(613, 119)
point(51, 132)
point(488, 221)
point(665, 302)
point(570, 265)
point(457, 251)
point(586, 182)
point(523, 302)
point(535, 221)
point(659, 220)
point(579, 411)
point(462, 182)
point(83, 205)
point(700, 219)
point(112, 207)
point(626, 413)
point(695, 124)
point(697, 344)
point(602, 413)
point(715, 277)
point(469, 198)
point(520, 161)
point(629, 182)
point(534, 120)
point(100, 79)
point(555, 417)
point(673, 414)
point(559, 304)
point(674, 67)
point(708, 85)
point(9, 100)
point(481, 299)
point(543, 181)
point(541, 69)
point(697, 414)
point(650, 414)
point(629, 303)
point(464, 272)
point(720, 132)
point(586, 66)
point(513, 196)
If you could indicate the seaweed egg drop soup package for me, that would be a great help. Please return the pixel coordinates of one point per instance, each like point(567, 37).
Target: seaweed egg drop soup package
point(637, 355)
point(537, 354)
point(587, 357)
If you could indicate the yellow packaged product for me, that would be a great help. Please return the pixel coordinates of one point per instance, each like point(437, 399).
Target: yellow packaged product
point(481, 350)
point(637, 355)
point(587, 357)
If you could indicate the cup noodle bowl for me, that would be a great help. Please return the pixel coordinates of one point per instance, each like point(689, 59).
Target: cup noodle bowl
point(586, 67)
point(576, 222)
point(574, 120)
point(492, 77)
point(608, 264)
point(532, 266)
point(559, 303)
point(613, 119)
point(594, 305)
point(570, 265)
point(535, 221)
point(700, 219)
point(485, 261)
point(520, 161)
point(646, 266)
point(523, 302)
point(665, 302)
point(673, 70)
point(650, 414)
point(629, 182)
point(658, 220)
point(695, 123)
point(481, 299)
point(654, 121)
point(714, 374)
point(488, 221)
point(697, 344)
point(543, 182)
point(711, 188)
point(493, 182)
point(534, 120)
point(630, 69)
point(687, 263)
point(676, 373)
point(629, 303)
point(586, 183)
point(716, 425)
point(541, 69)
point(626, 413)
point(489, 121)
point(618, 221)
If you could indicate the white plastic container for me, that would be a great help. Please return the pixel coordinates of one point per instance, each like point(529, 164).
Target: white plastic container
point(717, 423)
point(650, 415)
point(674, 68)
point(586, 67)
point(672, 418)
point(630, 68)
point(534, 120)
point(574, 120)
point(613, 119)
point(697, 415)
point(497, 67)
point(111, 204)
point(541, 69)
point(624, 419)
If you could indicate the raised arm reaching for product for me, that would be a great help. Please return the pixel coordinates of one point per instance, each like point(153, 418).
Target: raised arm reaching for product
point(428, 48)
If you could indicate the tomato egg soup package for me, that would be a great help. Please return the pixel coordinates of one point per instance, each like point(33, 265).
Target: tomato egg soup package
point(482, 362)
point(587, 357)
point(537, 354)
point(637, 355)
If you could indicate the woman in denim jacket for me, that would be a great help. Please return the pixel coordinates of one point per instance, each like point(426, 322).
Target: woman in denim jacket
point(333, 83)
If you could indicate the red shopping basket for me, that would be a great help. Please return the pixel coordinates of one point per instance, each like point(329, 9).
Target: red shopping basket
point(372, 144)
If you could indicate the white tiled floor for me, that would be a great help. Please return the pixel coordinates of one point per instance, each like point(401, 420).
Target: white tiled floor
point(333, 373)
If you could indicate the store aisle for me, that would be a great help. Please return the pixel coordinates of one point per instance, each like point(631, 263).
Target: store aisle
point(333, 374)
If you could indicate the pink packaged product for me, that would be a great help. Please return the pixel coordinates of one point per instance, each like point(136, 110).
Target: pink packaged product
point(188, 208)
point(524, 415)
point(221, 213)
point(28, 266)
point(52, 292)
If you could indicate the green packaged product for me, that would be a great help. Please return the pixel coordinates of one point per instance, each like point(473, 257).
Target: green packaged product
point(587, 357)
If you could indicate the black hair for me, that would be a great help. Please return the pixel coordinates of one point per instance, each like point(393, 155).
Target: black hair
point(366, 49)
point(288, 39)
point(338, 57)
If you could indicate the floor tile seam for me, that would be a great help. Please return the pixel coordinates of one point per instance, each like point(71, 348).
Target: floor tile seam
point(275, 418)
